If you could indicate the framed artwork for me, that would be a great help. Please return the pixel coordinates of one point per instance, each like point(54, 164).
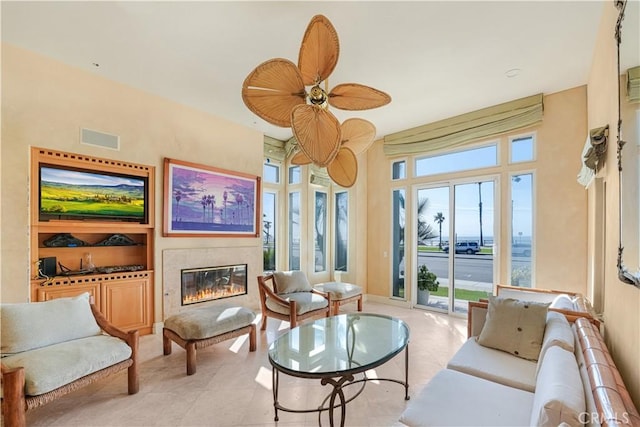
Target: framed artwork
point(203, 201)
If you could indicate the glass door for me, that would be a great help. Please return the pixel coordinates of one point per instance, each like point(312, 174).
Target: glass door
point(454, 252)
point(471, 247)
point(433, 223)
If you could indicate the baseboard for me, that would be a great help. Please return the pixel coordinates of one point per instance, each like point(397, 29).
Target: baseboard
point(157, 327)
point(387, 300)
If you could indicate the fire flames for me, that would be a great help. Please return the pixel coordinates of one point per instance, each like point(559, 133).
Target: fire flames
point(211, 294)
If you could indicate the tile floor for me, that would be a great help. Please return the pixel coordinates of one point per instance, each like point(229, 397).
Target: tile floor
point(232, 387)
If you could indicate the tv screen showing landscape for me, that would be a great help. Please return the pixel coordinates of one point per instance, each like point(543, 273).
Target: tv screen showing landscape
point(80, 194)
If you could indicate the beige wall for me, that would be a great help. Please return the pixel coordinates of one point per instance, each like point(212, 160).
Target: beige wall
point(621, 301)
point(45, 103)
point(560, 203)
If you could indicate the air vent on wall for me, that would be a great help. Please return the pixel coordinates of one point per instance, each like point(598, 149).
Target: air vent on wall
point(99, 139)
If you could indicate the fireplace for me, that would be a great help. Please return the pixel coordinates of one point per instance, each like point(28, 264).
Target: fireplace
point(212, 283)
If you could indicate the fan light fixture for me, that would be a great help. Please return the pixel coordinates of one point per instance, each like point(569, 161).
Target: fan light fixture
point(276, 91)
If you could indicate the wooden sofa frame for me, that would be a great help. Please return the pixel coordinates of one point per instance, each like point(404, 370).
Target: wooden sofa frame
point(15, 404)
point(584, 306)
point(612, 399)
point(292, 317)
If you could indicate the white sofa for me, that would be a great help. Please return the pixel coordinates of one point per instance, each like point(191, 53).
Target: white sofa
point(574, 381)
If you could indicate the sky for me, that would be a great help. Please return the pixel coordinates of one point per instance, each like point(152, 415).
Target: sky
point(73, 177)
point(467, 208)
point(467, 196)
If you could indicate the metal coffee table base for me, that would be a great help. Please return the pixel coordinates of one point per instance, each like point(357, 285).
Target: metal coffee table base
point(336, 399)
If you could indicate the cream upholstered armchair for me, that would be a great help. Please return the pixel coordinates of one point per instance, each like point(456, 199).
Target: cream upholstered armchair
point(291, 297)
point(54, 347)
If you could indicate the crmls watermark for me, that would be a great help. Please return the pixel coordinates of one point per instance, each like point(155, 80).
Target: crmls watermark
point(594, 417)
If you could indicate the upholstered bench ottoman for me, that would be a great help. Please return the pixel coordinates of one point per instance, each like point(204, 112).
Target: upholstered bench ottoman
point(202, 327)
point(341, 293)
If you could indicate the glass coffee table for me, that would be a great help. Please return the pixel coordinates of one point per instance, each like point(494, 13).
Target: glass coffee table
point(338, 351)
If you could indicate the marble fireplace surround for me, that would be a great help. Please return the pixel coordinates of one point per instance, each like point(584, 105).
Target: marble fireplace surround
point(174, 260)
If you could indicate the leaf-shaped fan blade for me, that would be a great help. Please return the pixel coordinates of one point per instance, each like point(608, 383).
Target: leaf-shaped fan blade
point(300, 159)
point(354, 96)
point(357, 135)
point(318, 133)
point(273, 89)
point(319, 51)
point(343, 170)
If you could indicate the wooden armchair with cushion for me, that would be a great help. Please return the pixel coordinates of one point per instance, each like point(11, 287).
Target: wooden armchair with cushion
point(54, 347)
point(291, 297)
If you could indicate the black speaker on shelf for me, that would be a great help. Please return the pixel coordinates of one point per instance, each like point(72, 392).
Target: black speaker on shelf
point(47, 266)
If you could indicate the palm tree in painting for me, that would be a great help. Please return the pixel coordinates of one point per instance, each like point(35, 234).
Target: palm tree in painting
point(239, 200)
point(439, 218)
point(224, 197)
point(211, 200)
point(178, 196)
point(204, 203)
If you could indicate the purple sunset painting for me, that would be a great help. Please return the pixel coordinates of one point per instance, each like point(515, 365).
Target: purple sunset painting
point(204, 201)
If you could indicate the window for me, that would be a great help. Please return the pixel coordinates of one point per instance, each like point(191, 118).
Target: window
point(294, 230)
point(269, 231)
point(271, 173)
point(475, 158)
point(342, 231)
point(294, 175)
point(398, 258)
point(272, 189)
point(521, 149)
point(521, 229)
point(399, 170)
point(320, 232)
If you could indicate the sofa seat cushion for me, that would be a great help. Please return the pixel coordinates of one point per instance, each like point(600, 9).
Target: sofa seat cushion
point(494, 365)
point(206, 322)
point(452, 398)
point(559, 397)
point(339, 290)
point(557, 332)
point(26, 326)
point(48, 368)
point(306, 302)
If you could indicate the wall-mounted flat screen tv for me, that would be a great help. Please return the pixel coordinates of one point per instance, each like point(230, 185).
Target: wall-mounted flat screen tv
point(79, 194)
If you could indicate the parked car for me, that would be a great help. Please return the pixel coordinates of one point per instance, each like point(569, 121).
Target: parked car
point(521, 249)
point(464, 248)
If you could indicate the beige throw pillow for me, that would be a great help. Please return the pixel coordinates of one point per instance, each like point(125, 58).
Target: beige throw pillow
point(26, 326)
point(514, 326)
point(291, 281)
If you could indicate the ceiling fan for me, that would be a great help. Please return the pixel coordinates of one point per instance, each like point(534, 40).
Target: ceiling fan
point(276, 91)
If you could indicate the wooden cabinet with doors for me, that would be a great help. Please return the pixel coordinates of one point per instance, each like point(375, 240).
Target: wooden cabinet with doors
point(110, 257)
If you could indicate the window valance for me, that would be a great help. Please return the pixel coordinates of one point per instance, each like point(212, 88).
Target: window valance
point(319, 176)
point(598, 149)
point(278, 150)
point(466, 128)
point(274, 148)
point(593, 154)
